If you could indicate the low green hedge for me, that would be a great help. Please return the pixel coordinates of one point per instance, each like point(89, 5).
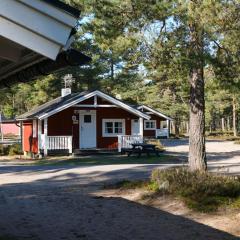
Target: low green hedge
point(200, 191)
point(11, 150)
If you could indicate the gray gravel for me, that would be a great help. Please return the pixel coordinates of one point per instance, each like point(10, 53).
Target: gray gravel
point(222, 156)
point(60, 202)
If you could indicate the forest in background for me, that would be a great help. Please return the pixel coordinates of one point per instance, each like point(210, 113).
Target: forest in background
point(144, 58)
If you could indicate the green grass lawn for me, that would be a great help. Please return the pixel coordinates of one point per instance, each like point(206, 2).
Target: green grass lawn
point(106, 160)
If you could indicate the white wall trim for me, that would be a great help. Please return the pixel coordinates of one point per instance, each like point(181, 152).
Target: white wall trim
point(146, 121)
point(104, 120)
point(46, 137)
point(95, 106)
point(141, 126)
point(39, 135)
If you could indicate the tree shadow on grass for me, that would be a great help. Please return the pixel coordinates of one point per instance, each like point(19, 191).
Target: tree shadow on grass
point(52, 209)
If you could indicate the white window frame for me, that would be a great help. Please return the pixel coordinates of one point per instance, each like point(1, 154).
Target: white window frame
point(164, 123)
point(104, 134)
point(152, 121)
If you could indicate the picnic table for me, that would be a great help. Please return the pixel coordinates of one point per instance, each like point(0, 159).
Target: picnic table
point(140, 148)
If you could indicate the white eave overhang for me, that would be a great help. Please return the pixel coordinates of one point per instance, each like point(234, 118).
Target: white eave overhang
point(34, 34)
point(150, 110)
point(101, 95)
point(35, 25)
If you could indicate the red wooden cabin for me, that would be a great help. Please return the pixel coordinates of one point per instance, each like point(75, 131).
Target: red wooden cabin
point(89, 120)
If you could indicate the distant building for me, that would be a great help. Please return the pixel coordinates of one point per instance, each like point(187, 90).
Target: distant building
point(9, 127)
point(89, 120)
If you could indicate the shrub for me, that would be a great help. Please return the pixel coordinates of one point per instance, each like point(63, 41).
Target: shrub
point(126, 184)
point(201, 191)
point(15, 149)
point(4, 150)
point(237, 142)
point(226, 135)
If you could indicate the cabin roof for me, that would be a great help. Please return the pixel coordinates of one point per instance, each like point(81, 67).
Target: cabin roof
point(56, 105)
point(145, 108)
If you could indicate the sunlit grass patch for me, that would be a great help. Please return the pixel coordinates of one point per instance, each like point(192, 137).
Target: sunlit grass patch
point(201, 191)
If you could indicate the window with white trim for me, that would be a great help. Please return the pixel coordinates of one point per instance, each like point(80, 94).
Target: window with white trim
point(164, 124)
point(113, 127)
point(149, 124)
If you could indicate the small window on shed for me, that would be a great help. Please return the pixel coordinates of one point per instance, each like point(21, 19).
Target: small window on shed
point(87, 118)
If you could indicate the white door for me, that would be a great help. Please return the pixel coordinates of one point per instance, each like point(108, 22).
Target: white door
point(87, 125)
point(135, 127)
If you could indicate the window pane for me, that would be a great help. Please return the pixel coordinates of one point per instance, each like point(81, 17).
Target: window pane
point(108, 130)
point(150, 124)
point(109, 124)
point(118, 124)
point(108, 127)
point(87, 118)
point(118, 127)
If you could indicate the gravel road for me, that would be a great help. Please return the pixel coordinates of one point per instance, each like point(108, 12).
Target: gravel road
point(62, 202)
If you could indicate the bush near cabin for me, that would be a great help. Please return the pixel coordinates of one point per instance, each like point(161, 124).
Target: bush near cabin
point(10, 150)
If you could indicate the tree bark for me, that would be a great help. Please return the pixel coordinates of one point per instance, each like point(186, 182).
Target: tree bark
point(197, 153)
point(176, 128)
point(228, 124)
point(234, 106)
point(223, 124)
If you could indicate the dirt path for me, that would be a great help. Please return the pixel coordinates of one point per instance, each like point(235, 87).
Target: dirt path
point(225, 220)
point(44, 211)
point(62, 202)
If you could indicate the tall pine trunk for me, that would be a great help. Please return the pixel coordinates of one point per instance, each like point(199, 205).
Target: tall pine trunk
point(197, 153)
point(223, 124)
point(228, 124)
point(176, 127)
point(234, 106)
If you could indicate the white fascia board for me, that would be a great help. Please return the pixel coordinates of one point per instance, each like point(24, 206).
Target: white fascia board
point(50, 10)
point(100, 94)
point(35, 21)
point(80, 99)
point(155, 112)
point(122, 105)
point(28, 39)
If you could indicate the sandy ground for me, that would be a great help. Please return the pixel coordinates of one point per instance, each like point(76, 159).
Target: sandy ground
point(224, 220)
point(64, 202)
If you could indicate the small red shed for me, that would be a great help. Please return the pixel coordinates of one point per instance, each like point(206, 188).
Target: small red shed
point(89, 120)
